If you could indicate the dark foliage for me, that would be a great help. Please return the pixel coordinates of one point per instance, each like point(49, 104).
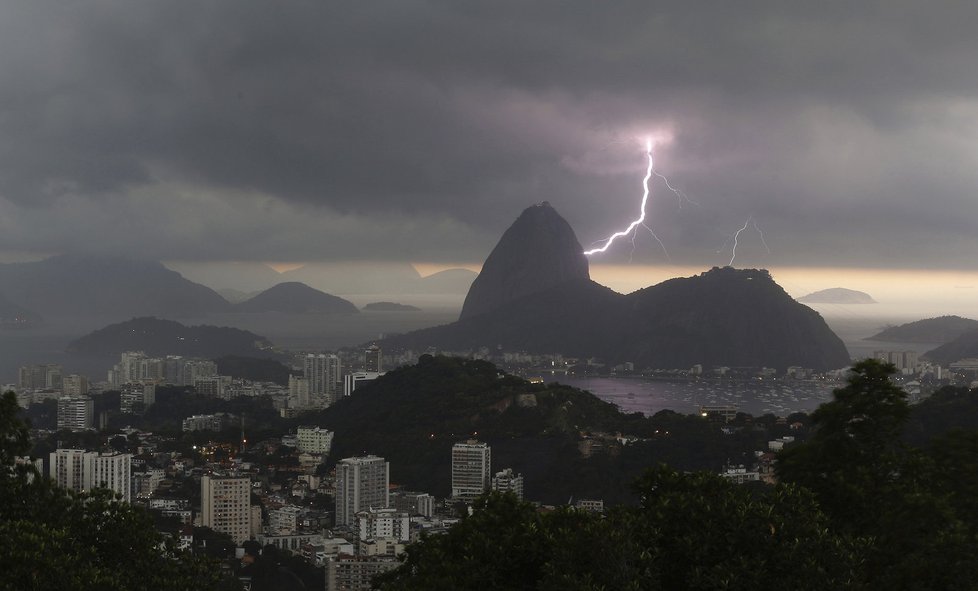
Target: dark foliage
point(156, 336)
point(57, 539)
point(412, 416)
point(254, 369)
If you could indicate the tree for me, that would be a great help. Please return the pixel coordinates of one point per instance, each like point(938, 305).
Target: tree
point(871, 484)
point(692, 531)
point(855, 454)
point(58, 539)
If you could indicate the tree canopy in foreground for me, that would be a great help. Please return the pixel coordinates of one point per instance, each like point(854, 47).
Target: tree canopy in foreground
point(856, 508)
point(53, 538)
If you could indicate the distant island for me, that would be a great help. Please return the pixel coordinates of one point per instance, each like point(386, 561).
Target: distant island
point(942, 329)
point(390, 307)
point(293, 297)
point(837, 295)
point(156, 336)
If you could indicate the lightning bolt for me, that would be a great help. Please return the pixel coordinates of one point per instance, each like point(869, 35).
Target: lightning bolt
point(736, 236)
point(682, 196)
point(633, 227)
point(750, 222)
point(761, 234)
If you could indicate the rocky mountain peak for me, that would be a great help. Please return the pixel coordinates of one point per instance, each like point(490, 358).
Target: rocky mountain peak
point(538, 252)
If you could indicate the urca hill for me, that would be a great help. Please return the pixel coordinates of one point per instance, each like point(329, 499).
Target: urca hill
point(534, 294)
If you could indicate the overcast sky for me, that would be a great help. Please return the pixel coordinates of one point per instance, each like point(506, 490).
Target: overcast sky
point(418, 131)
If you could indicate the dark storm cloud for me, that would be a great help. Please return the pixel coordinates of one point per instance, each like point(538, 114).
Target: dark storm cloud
point(307, 130)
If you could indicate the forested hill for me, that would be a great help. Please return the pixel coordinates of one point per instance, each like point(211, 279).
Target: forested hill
point(156, 336)
point(413, 415)
point(942, 329)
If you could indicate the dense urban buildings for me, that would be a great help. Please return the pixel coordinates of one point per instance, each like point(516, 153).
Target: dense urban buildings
point(45, 376)
point(471, 461)
point(361, 483)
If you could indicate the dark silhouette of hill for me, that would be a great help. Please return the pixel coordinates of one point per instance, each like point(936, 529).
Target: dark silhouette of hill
point(413, 415)
point(725, 316)
point(575, 318)
point(538, 252)
point(721, 317)
point(390, 307)
point(156, 336)
point(76, 286)
point(837, 295)
point(16, 316)
point(296, 298)
point(963, 347)
point(534, 294)
point(242, 276)
point(942, 329)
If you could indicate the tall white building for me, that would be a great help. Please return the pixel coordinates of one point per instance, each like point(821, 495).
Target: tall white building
point(225, 505)
point(112, 471)
point(507, 481)
point(334, 379)
point(76, 413)
point(361, 483)
point(67, 469)
point(314, 440)
point(81, 470)
point(314, 370)
point(471, 463)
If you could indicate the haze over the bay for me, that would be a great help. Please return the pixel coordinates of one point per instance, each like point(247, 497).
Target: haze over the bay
point(417, 131)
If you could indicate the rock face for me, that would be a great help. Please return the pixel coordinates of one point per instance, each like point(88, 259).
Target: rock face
point(837, 295)
point(538, 252)
point(293, 297)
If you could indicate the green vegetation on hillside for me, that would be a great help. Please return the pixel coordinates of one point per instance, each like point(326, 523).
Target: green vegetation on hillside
point(413, 415)
point(156, 336)
point(857, 508)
